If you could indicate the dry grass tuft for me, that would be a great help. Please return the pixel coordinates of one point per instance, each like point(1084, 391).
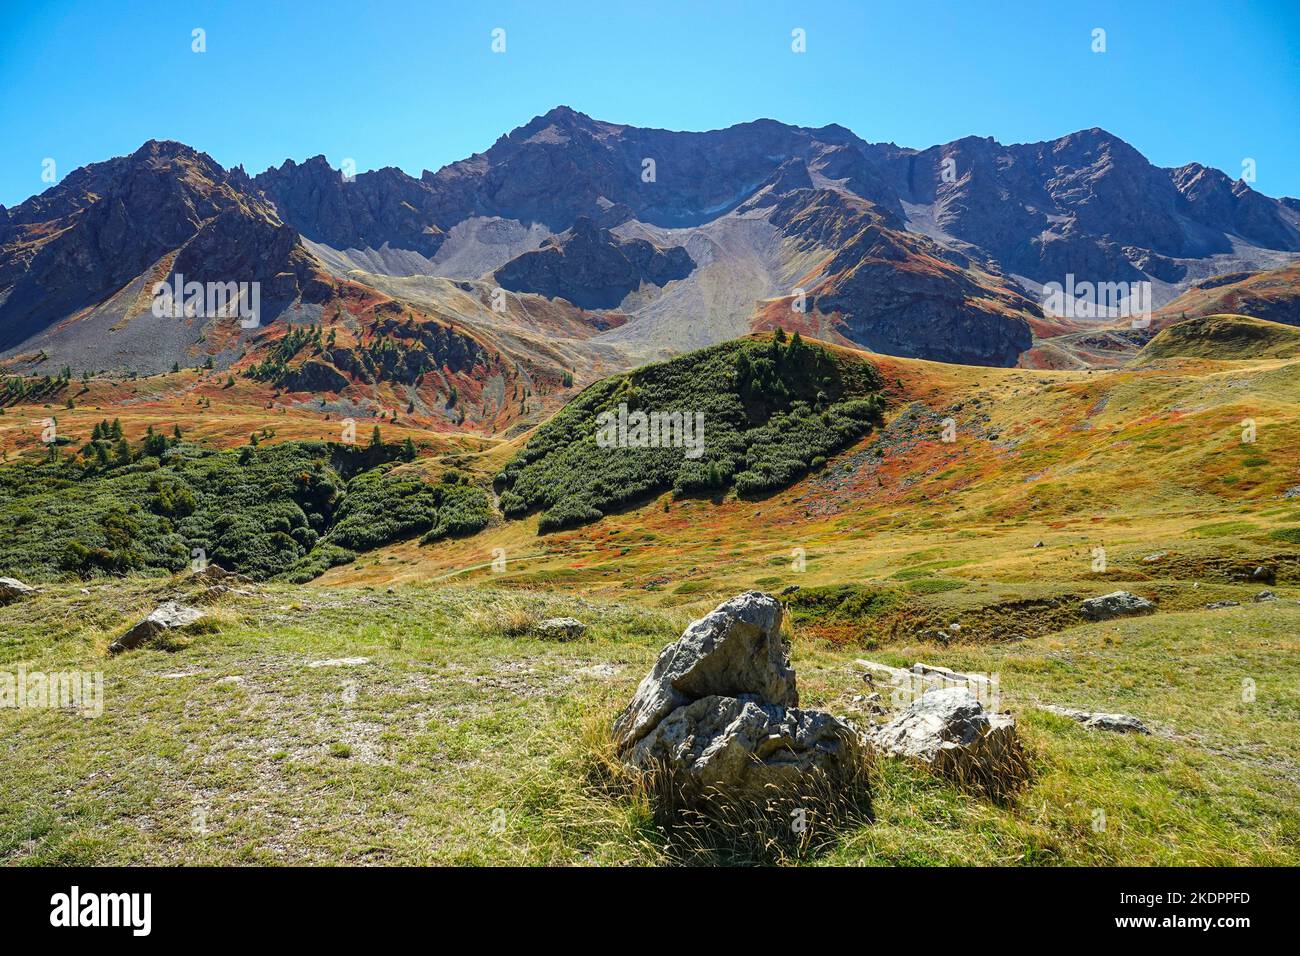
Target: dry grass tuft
point(506, 618)
point(686, 829)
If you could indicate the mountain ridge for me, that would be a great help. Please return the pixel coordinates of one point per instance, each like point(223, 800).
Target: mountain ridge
point(962, 236)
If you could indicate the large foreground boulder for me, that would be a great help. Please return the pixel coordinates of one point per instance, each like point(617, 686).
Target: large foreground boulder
point(734, 650)
point(740, 749)
point(11, 589)
point(167, 618)
point(1115, 604)
point(717, 721)
point(949, 732)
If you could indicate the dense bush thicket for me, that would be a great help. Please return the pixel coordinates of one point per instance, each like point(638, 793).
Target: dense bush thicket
point(838, 603)
point(771, 411)
point(261, 511)
point(379, 507)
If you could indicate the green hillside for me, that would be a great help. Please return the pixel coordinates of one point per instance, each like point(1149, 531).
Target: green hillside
point(1229, 337)
point(758, 416)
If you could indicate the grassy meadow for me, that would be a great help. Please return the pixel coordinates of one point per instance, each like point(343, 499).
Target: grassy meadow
point(440, 732)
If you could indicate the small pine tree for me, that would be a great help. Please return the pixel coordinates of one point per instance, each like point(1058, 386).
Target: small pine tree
point(408, 449)
point(375, 439)
point(780, 334)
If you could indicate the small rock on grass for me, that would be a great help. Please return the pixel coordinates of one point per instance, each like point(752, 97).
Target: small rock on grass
point(340, 662)
point(1119, 723)
point(718, 717)
point(949, 732)
point(166, 618)
point(1115, 604)
point(560, 628)
point(602, 671)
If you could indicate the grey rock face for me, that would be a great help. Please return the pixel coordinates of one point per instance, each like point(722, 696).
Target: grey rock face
point(169, 616)
point(949, 732)
point(1265, 596)
point(1118, 723)
point(718, 714)
point(11, 589)
point(736, 649)
point(740, 748)
point(592, 268)
point(1115, 604)
point(384, 206)
point(561, 628)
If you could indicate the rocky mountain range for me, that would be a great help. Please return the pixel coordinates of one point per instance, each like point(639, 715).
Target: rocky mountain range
point(573, 245)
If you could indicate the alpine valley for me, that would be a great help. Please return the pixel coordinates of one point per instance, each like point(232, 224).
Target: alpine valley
point(367, 580)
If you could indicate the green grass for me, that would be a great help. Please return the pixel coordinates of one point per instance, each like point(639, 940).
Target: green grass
point(935, 585)
point(1222, 529)
point(1223, 337)
point(465, 739)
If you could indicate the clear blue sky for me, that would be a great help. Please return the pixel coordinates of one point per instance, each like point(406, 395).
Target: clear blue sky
point(416, 85)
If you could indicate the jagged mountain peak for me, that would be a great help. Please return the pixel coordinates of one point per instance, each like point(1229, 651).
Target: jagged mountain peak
point(1086, 203)
point(170, 149)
